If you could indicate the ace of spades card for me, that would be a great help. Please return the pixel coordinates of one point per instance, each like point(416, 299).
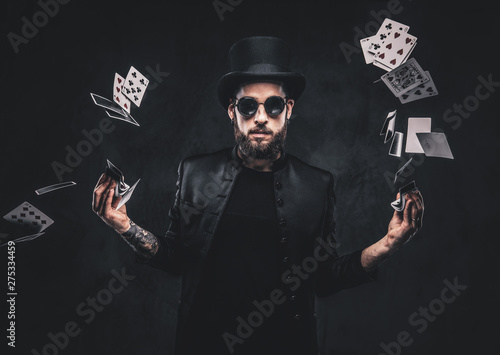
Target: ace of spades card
point(135, 86)
point(118, 96)
point(28, 217)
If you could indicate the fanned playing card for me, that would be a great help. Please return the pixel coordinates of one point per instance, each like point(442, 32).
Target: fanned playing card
point(405, 77)
point(121, 188)
point(422, 91)
point(127, 195)
point(365, 44)
point(135, 86)
point(396, 49)
point(388, 28)
point(399, 204)
point(29, 218)
point(118, 96)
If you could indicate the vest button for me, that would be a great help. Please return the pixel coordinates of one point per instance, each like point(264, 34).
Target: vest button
point(279, 202)
point(277, 185)
point(282, 222)
point(283, 240)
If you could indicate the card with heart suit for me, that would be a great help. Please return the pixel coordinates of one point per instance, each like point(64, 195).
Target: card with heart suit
point(396, 49)
point(118, 96)
point(422, 91)
point(416, 125)
point(135, 86)
point(388, 28)
point(405, 77)
point(29, 218)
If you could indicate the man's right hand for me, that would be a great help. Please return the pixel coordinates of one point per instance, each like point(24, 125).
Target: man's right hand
point(104, 204)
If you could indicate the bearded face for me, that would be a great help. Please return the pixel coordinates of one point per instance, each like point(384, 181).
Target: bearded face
point(260, 142)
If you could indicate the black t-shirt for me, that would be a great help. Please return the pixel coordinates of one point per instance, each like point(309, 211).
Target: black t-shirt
point(243, 267)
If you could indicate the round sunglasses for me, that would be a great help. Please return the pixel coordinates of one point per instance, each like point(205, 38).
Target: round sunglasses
point(248, 106)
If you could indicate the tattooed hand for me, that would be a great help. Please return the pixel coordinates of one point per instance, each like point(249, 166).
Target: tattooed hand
point(104, 204)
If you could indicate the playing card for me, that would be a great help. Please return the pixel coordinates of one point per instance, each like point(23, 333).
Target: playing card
point(405, 77)
point(396, 145)
point(118, 96)
point(435, 144)
point(388, 28)
point(400, 171)
point(395, 49)
point(416, 124)
point(25, 239)
point(135, 86)
point(107, 104)
point(388, 127)
point(124, 116)
point(127, 195)
point(422, 91)
point(399, 204)
point(29, 217)
point(54, 187)
point(380, 65)
point(115, 173)
point(365, 44)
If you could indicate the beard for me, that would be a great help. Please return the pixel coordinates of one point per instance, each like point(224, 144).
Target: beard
point(257, 148)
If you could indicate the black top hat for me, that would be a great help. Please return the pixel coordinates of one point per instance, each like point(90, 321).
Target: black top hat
point(255, 59)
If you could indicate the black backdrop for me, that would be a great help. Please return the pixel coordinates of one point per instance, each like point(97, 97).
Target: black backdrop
point(46, 106)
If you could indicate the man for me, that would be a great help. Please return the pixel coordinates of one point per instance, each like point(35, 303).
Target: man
point(252, 229)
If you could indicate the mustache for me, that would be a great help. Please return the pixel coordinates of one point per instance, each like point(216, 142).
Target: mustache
point(262, 130)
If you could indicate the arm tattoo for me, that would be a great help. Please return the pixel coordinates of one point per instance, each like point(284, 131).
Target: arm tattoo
point(143, 242)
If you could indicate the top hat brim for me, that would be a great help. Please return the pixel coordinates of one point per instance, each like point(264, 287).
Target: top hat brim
point(294, 82)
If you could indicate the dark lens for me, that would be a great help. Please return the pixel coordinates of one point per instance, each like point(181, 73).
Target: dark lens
point(247, 106)
point(274, 105)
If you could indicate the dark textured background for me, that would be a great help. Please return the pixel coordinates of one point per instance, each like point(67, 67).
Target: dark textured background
point(46, 104)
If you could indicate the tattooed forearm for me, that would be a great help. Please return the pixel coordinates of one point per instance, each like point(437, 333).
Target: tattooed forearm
point(143, 242)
